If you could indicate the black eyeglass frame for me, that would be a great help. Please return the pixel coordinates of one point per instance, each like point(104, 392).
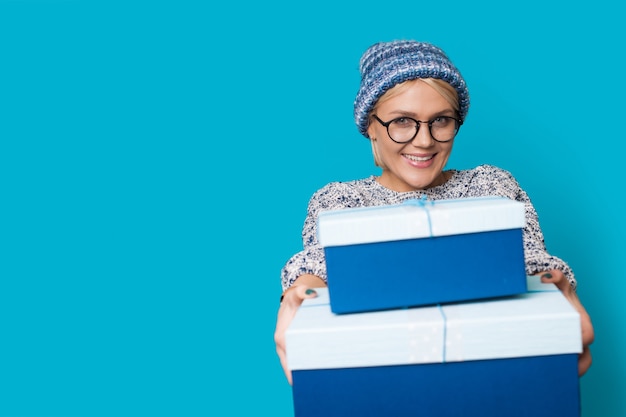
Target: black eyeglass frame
point(418, 123)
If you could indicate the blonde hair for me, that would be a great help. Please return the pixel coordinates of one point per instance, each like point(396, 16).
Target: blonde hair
point(446, 90)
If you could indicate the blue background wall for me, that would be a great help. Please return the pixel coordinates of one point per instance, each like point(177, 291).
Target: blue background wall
point(156, 160)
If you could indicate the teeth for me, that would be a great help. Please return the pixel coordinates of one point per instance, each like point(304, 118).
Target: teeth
point(418, 158)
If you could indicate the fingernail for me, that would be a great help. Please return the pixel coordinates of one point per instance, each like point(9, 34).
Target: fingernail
point(310, 292)
point(547, 275)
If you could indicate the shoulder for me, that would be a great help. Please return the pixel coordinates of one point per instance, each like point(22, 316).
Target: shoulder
point(489, 171)
point(489, 180)
point(354, 185)
point(343, 194)
point(486, 173)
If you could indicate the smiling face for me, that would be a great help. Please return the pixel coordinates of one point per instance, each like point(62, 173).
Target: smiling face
point(417, 164)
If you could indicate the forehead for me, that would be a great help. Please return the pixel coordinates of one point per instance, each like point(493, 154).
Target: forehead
point(415, 97)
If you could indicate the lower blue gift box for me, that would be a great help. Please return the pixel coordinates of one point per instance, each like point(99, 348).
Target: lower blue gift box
point(512, 356)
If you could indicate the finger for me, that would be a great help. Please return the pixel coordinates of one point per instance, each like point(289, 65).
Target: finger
point(556, 277)
point(281, 347)
point(297, 293)
point(292, 299)
point(587, 328)
point(303, 292)
point(282, 356)
point(283, 362)
point(584, 361)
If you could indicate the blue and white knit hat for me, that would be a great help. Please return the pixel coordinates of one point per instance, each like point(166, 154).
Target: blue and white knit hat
point(386, 64)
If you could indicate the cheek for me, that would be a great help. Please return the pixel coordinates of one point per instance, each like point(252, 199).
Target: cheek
point(446, 151)
point(387, 147)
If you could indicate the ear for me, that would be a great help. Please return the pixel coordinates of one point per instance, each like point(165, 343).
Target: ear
point(377, 160)
point(370, 131)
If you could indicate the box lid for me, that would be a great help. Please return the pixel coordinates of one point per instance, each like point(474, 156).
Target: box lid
point(418, 219)
point(317, 338)
point(540, 322)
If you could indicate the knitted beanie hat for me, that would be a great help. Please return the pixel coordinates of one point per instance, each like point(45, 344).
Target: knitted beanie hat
point(386, 64)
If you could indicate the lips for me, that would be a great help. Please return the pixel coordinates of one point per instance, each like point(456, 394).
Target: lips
point(418, 158)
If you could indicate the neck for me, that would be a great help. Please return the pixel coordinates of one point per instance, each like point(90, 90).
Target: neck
point(441, 179)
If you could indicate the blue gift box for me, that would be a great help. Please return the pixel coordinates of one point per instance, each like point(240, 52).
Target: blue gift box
point(513, 356)
point(420, 253)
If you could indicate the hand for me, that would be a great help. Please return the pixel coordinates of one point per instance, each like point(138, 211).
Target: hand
point(557, 277)
point(292, 299)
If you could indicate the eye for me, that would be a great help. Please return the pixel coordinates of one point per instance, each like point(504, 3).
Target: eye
point(403, 122)
point(442, 121)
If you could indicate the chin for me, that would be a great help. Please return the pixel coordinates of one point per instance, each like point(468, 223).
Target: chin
point(421, 183)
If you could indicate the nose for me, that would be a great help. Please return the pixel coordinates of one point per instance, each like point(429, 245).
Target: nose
point(423, 138)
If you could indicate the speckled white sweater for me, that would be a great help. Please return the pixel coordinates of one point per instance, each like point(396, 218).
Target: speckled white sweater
point(484, 180)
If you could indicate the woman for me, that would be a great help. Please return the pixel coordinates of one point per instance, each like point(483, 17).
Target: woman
point(410, 105)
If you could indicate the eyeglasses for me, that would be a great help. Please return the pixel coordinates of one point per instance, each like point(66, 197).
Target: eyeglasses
point(404, 129)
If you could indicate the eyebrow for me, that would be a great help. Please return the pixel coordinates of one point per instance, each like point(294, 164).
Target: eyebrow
point(400, 113)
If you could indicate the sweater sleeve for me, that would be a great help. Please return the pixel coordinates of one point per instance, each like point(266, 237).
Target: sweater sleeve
point(537, 258)
point(310, 260)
